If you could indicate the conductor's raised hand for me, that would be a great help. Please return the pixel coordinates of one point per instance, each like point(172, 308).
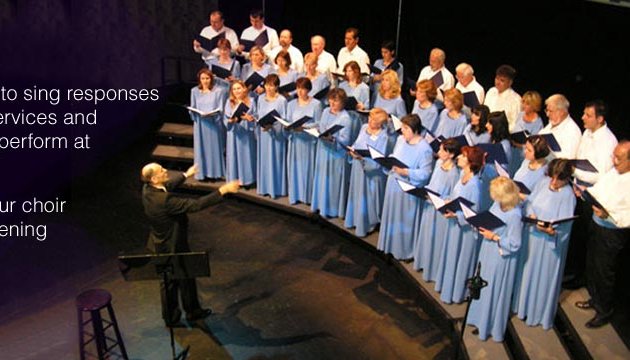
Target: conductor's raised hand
point(230, 187)
point(191, 171)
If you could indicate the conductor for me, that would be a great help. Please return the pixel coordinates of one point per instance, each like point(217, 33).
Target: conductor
point(167, 214)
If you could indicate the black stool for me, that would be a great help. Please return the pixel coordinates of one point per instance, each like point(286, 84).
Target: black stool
point(93, 301)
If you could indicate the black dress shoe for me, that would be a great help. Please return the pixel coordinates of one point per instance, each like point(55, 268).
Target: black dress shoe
point(198, 314)
point(599, 320)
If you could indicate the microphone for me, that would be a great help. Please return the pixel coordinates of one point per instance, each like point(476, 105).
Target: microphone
point(476, 283)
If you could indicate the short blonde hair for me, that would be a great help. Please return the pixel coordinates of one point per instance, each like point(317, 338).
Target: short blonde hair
point(533, 99)
point(394, 82)
point(505, 192)
point(379, 114)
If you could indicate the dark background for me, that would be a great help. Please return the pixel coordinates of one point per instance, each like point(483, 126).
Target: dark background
point(577, 48)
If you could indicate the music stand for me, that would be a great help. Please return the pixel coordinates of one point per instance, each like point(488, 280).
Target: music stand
point(165, 267)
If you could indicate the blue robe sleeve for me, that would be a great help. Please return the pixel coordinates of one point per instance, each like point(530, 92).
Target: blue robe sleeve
point(421, 174)
point(510, 237)
point(193, 103)
point(400, 108)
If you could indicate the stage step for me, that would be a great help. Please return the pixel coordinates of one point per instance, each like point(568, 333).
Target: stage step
point(173, 153)
point(176, 130)
point(536, 343)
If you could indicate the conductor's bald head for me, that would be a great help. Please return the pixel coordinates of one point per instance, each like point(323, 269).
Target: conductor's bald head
point(153, 173)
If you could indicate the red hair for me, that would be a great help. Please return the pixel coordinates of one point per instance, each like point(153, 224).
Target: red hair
point(476, 157)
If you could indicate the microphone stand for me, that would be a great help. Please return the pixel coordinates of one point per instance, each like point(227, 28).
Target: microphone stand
point(474, 285)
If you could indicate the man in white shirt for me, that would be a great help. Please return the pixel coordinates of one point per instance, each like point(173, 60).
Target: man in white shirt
point(257, 19)
point(352, 52)
point(502, 97)
point(297, 59)
point(466, 83)
point(215, 28)
point(609, 234)
point(561, 125)
point(326, 62)
point(596, 145)
point(437, 58)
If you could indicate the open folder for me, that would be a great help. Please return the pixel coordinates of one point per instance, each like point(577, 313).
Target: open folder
point(330, 131)
point(204, 113)
point(210, 44)
point(453, 206)
point(240, 110)
point(547, 223)
point(523, 189)
point(438, 79)
point(421, 192)
point(321, 94)
point(385, 161)
point(486, 219)
point(361, 152)
point(495, 152)
point(292, 125)
point(470, 99)
point(261, 40)
point(220, 71)
point(254, 80)
point(269, 118)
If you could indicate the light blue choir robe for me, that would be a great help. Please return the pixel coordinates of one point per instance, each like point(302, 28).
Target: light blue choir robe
point(473, 138)
point(302, 148)
point(247, 71)
point(400, 219)
point(432, 234)
point(396, 107)
point(491, 312)
point(376, 85)
point(240, 148)
point(319, 83)
point(459, 253)
point(208, 132)
point(530, 177)
point(332, 169)
point(234, 67)
point(518, 153)
point(288, 78)
point(362, 93)
point(271, 169)
point(367, 185)
point(448, 127)
point(428, 116)
point(488, 173)
point(542, 256)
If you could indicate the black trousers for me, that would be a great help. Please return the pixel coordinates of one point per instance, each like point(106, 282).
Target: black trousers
point(576, 256)
point(603, 248)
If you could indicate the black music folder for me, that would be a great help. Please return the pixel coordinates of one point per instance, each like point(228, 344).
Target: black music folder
point(204, 113)
point(240, 110)
point(421, 192)
point(462, 140)
point(470, 99)
point(547, 223)
point(495, 152)
point(351, 103)
point(583, 164)
point(552, 142)
point(386, 161)
point(519, 137)
point(210, 44)
point(438, 79)
point(261, 40)
point(361, 152)
point(321, 94)
point(486, 220)
point(522, 188)
point(220, 71)
point(269, 118)
point(293, 125)
point(329, 132)
point(254, 80)
point(287, 88)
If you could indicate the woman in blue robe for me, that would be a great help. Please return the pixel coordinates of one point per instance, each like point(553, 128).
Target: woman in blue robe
point(367, 180)
point(389, 99)
point(424, 105)
point(476, 132)
point(257, 64)
point(432, 234)
point(240, 148)
point(535, 164)
point(457, 259)
point(302, 146)
point(544, 251)
point(271, 169)
point(355, 87)
point(387, 61)
point(225, 61)
point(208, 131)
point(497, 127)
point(320, 82)
point(498, 258)
point(452, 121)
point(284, 72)
point(332, 169)
point(400, 219)
point(527, 120)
